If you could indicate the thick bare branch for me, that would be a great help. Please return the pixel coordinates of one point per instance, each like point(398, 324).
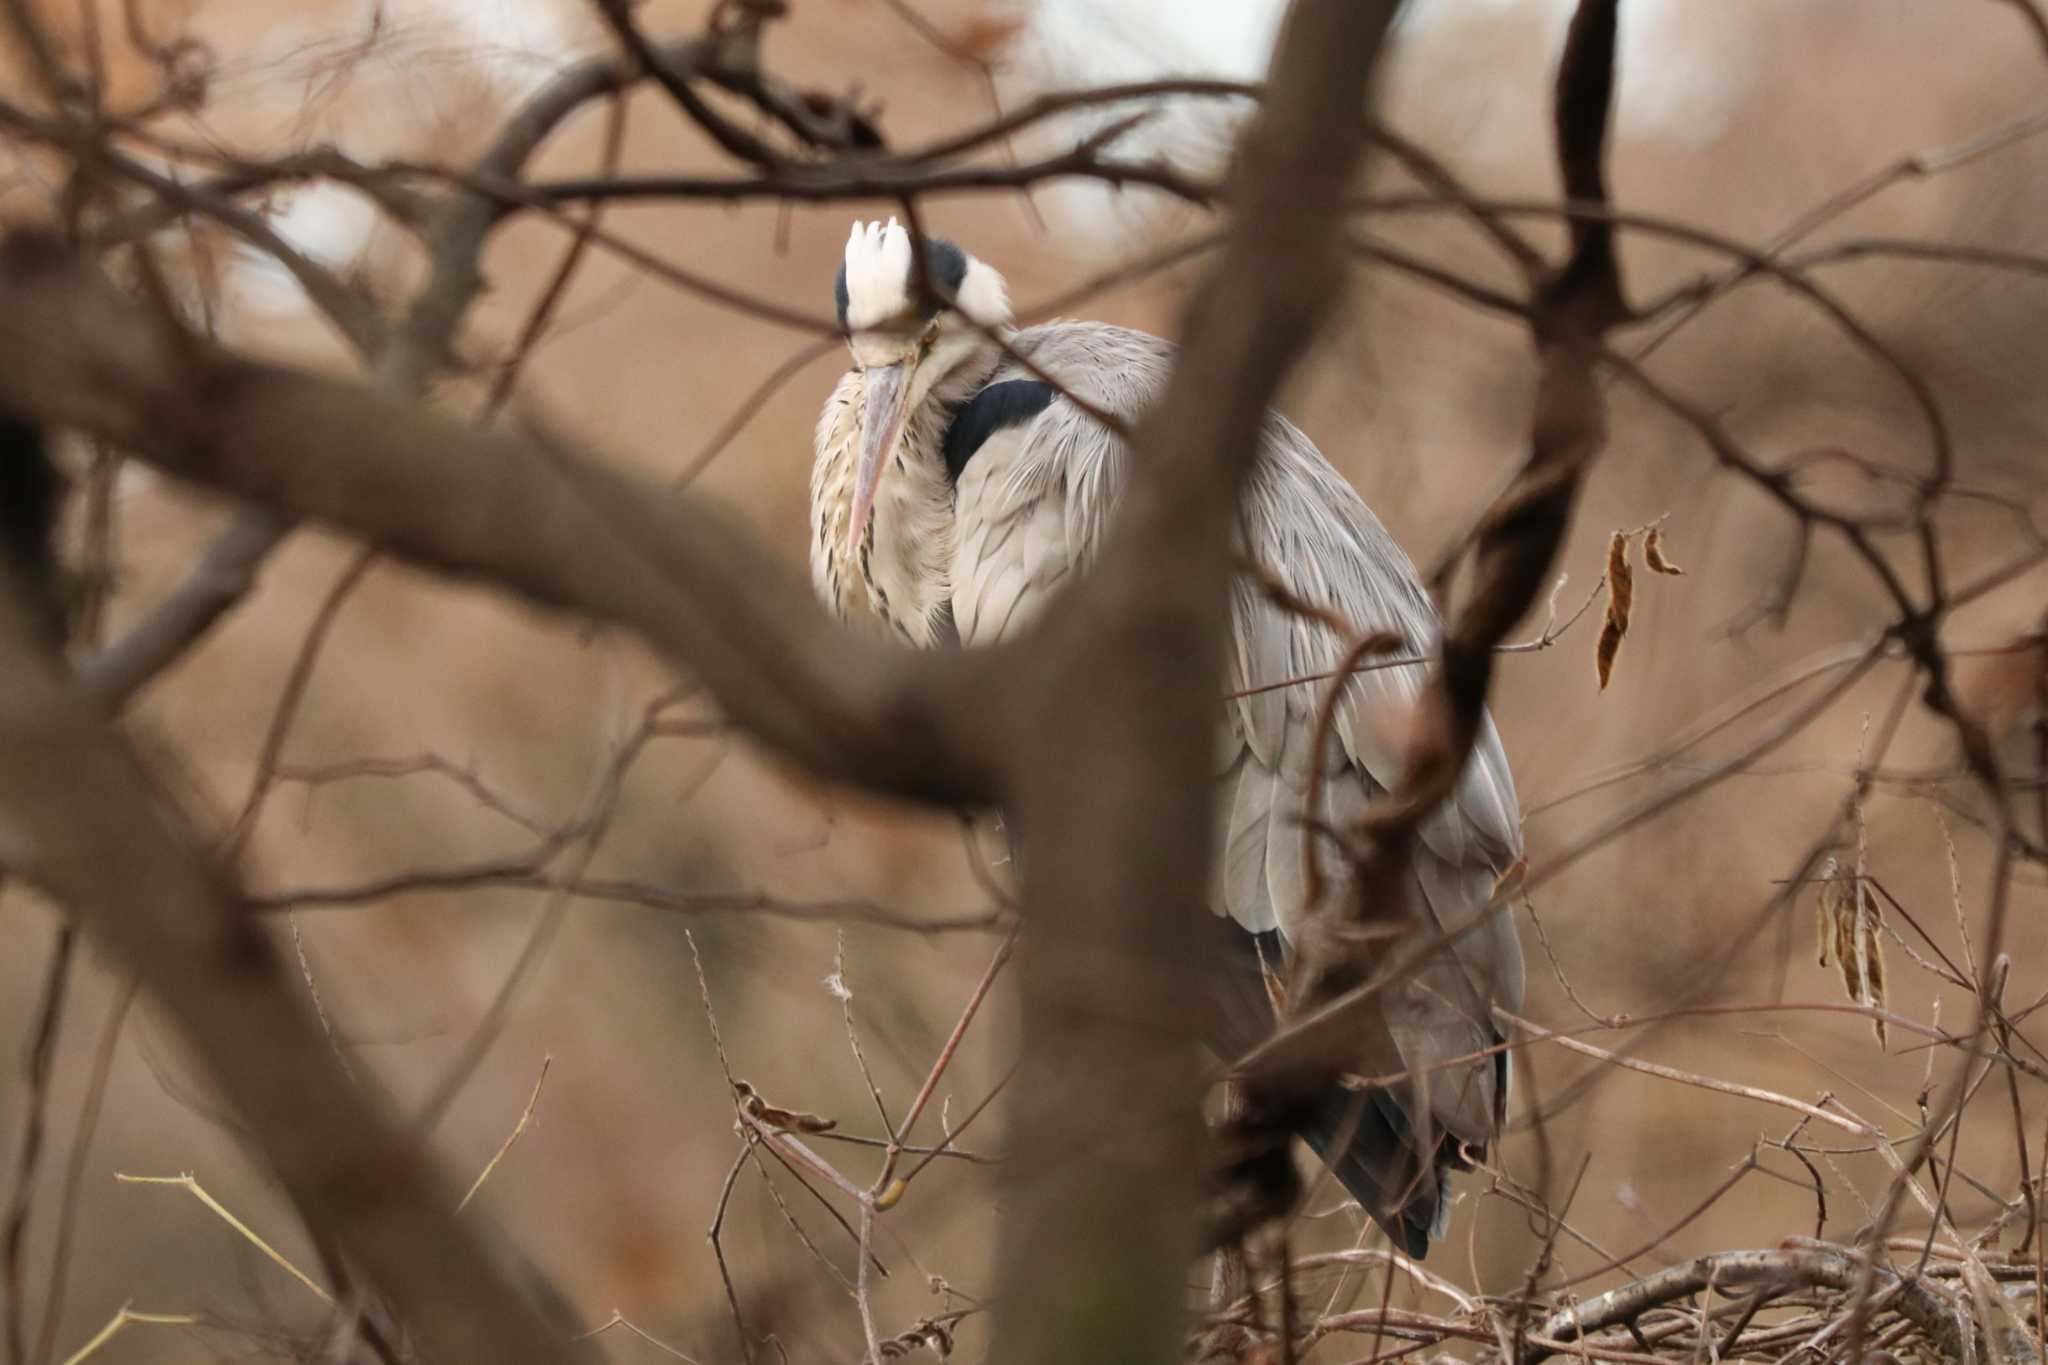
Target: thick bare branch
point(1514, 551)
point(563, 530)
point(402, 358)
point(1934, 1312)
point(1110, 1128)
point(224, 575)
point(80, 820)
point(1518, 542)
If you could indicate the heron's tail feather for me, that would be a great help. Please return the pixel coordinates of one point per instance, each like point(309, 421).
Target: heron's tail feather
point(1366, 1138)
point(1381, 1166)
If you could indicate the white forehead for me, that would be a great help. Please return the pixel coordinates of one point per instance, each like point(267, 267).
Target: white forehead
point(878, 279)
point(877, 274)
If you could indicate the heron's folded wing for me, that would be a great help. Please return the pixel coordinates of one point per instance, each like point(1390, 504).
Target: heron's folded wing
point(1011, 552)
point(1315, 537)
point(1035, 503)
point(1310, 532)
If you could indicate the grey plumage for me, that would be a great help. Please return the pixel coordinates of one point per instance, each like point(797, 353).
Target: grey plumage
point(977, 558)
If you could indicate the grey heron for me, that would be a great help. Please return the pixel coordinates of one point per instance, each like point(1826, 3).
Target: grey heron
point(954, 493)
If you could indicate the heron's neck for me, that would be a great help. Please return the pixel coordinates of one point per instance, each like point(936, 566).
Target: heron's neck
point(907, 563)
point(967, 378)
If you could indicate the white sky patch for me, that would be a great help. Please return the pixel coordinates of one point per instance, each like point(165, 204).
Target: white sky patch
point(1135, 39)
point(1685, 80)
point(326, 223)
point(1685, 71)
point(519, 44)
point(1072, 44)
point(1685, 67)
point(405, 54)
point(383, 79)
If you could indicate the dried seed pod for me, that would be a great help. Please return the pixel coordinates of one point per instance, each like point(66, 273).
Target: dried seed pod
point(1850, 934)
point(1653, 554)
point(1874, 968)
point(1620, 597)
point(1824, 919)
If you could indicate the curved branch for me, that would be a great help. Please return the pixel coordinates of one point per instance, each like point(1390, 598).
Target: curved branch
point(1109, 1088)
point(224, 575)
point(1929, 1309)
point(858, 180)
point(402, 357)
point(83, 822)
point(564, 531)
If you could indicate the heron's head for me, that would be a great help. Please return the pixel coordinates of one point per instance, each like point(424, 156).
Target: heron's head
point(907, 340)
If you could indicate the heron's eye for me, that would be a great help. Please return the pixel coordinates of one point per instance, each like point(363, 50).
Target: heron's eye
point(931, 335)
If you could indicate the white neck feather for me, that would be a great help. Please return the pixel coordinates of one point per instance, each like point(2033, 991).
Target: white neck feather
point(903, 572)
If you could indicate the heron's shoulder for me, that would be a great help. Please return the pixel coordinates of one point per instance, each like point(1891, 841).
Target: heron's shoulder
point(1087, 346)
point(1109, 369)
point(1001, 405)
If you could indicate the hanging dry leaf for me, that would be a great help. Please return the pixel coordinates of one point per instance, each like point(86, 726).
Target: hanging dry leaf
point(1620, 597)
point(1653, 554)
point(1824, 924)
point(1850, 930)
point(1870, 957)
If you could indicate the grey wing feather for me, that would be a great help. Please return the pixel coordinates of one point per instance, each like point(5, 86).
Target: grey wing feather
point(1034, 504)
point(1012, 547)
point(1245, 885)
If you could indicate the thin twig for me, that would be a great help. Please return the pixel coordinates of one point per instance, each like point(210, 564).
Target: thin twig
point(197, 1191)
point(525, 1117)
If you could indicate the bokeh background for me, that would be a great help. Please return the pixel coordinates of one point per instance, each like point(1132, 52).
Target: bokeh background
point(1740, 118)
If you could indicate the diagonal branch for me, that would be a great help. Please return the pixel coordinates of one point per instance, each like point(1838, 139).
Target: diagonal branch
point(1933, 1311)
point(1109, 1144)
point(120, 861)
point(563, 530)
point(1514, 552)
point(402, 357)
point(225, 574)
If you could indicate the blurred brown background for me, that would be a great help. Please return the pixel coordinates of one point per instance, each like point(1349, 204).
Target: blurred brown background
point(1736, 117)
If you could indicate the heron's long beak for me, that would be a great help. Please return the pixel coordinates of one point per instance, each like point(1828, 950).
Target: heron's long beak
point(883, 413)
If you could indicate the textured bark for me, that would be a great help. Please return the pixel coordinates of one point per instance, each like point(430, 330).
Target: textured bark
point(1116, 812)
point(77, 816)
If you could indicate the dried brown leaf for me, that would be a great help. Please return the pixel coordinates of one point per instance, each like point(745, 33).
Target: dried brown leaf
point(1653, 554)
point(1620, 598)
point(1851, 930)
point(1823, 924)
point(1870, 958)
